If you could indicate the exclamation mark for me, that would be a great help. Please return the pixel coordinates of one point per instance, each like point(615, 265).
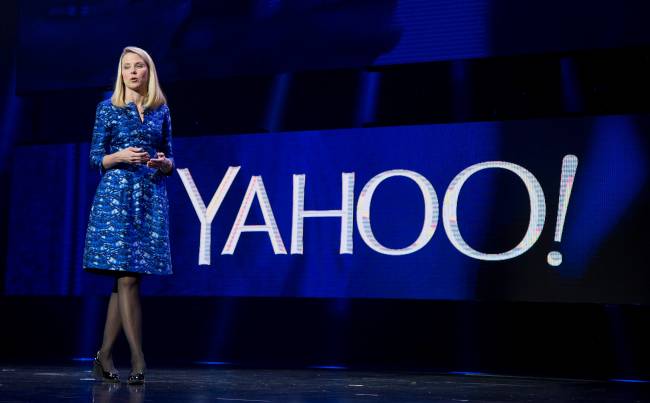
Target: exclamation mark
point(569, 168)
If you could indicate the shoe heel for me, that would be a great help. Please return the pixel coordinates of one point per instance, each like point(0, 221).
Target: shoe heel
point(101, 374)
point(97, 370)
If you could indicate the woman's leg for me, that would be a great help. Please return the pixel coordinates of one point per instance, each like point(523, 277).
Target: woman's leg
point(128, 296)
point(112, 328)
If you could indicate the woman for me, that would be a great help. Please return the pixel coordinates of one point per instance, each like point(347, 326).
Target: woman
point(128, 231)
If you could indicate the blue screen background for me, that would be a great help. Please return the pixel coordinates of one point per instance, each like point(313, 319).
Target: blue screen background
point(50, 202)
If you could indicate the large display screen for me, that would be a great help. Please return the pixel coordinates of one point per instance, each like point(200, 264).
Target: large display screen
point(536, 210)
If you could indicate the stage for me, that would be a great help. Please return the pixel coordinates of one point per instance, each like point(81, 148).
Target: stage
point(384, 201)
point(76, 384)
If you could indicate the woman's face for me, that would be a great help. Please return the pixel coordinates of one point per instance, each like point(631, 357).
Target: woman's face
point(134, 72)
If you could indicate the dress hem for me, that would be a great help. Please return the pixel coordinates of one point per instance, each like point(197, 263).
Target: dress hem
point(110, 271)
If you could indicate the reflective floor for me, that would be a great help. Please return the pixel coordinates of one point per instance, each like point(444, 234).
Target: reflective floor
point(76, 384)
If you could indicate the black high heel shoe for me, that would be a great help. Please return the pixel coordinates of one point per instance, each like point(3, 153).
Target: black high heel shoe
point(136, 379)
point(100, 372)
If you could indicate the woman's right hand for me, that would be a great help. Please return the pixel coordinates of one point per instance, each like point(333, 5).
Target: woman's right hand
point(132, 156)
point(129, 155)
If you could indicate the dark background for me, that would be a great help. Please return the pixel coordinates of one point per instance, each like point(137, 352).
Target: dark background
point(322, 65)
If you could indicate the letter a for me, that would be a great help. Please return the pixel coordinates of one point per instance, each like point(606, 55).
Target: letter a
point(255, 189)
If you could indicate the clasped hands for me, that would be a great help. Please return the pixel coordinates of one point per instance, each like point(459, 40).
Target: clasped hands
point(136, 155)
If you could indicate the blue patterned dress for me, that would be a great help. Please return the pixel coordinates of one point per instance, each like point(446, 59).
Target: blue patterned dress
point(128, 230)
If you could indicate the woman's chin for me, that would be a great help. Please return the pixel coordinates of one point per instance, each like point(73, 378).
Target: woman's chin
point(136, 88)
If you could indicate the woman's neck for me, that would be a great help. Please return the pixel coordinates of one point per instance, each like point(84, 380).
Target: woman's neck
point(134, 96)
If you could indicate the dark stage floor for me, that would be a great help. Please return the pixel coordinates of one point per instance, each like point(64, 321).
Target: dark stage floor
point(75, 384)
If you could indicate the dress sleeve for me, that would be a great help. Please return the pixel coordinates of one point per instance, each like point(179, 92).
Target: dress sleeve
point(166, 146)
point(101, 138)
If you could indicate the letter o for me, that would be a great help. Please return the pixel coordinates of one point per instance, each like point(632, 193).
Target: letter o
point(535, 223)
point(430, 212)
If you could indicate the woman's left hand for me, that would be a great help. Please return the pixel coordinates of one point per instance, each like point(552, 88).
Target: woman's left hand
point(161, 162)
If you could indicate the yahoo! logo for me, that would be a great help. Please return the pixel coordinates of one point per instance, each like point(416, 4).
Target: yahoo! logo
point(256, 190)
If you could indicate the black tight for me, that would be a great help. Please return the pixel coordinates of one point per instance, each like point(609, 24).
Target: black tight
point(120, 275)
point(124, 313)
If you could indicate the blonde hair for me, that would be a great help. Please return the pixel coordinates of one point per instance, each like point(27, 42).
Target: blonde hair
point(154, 97)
